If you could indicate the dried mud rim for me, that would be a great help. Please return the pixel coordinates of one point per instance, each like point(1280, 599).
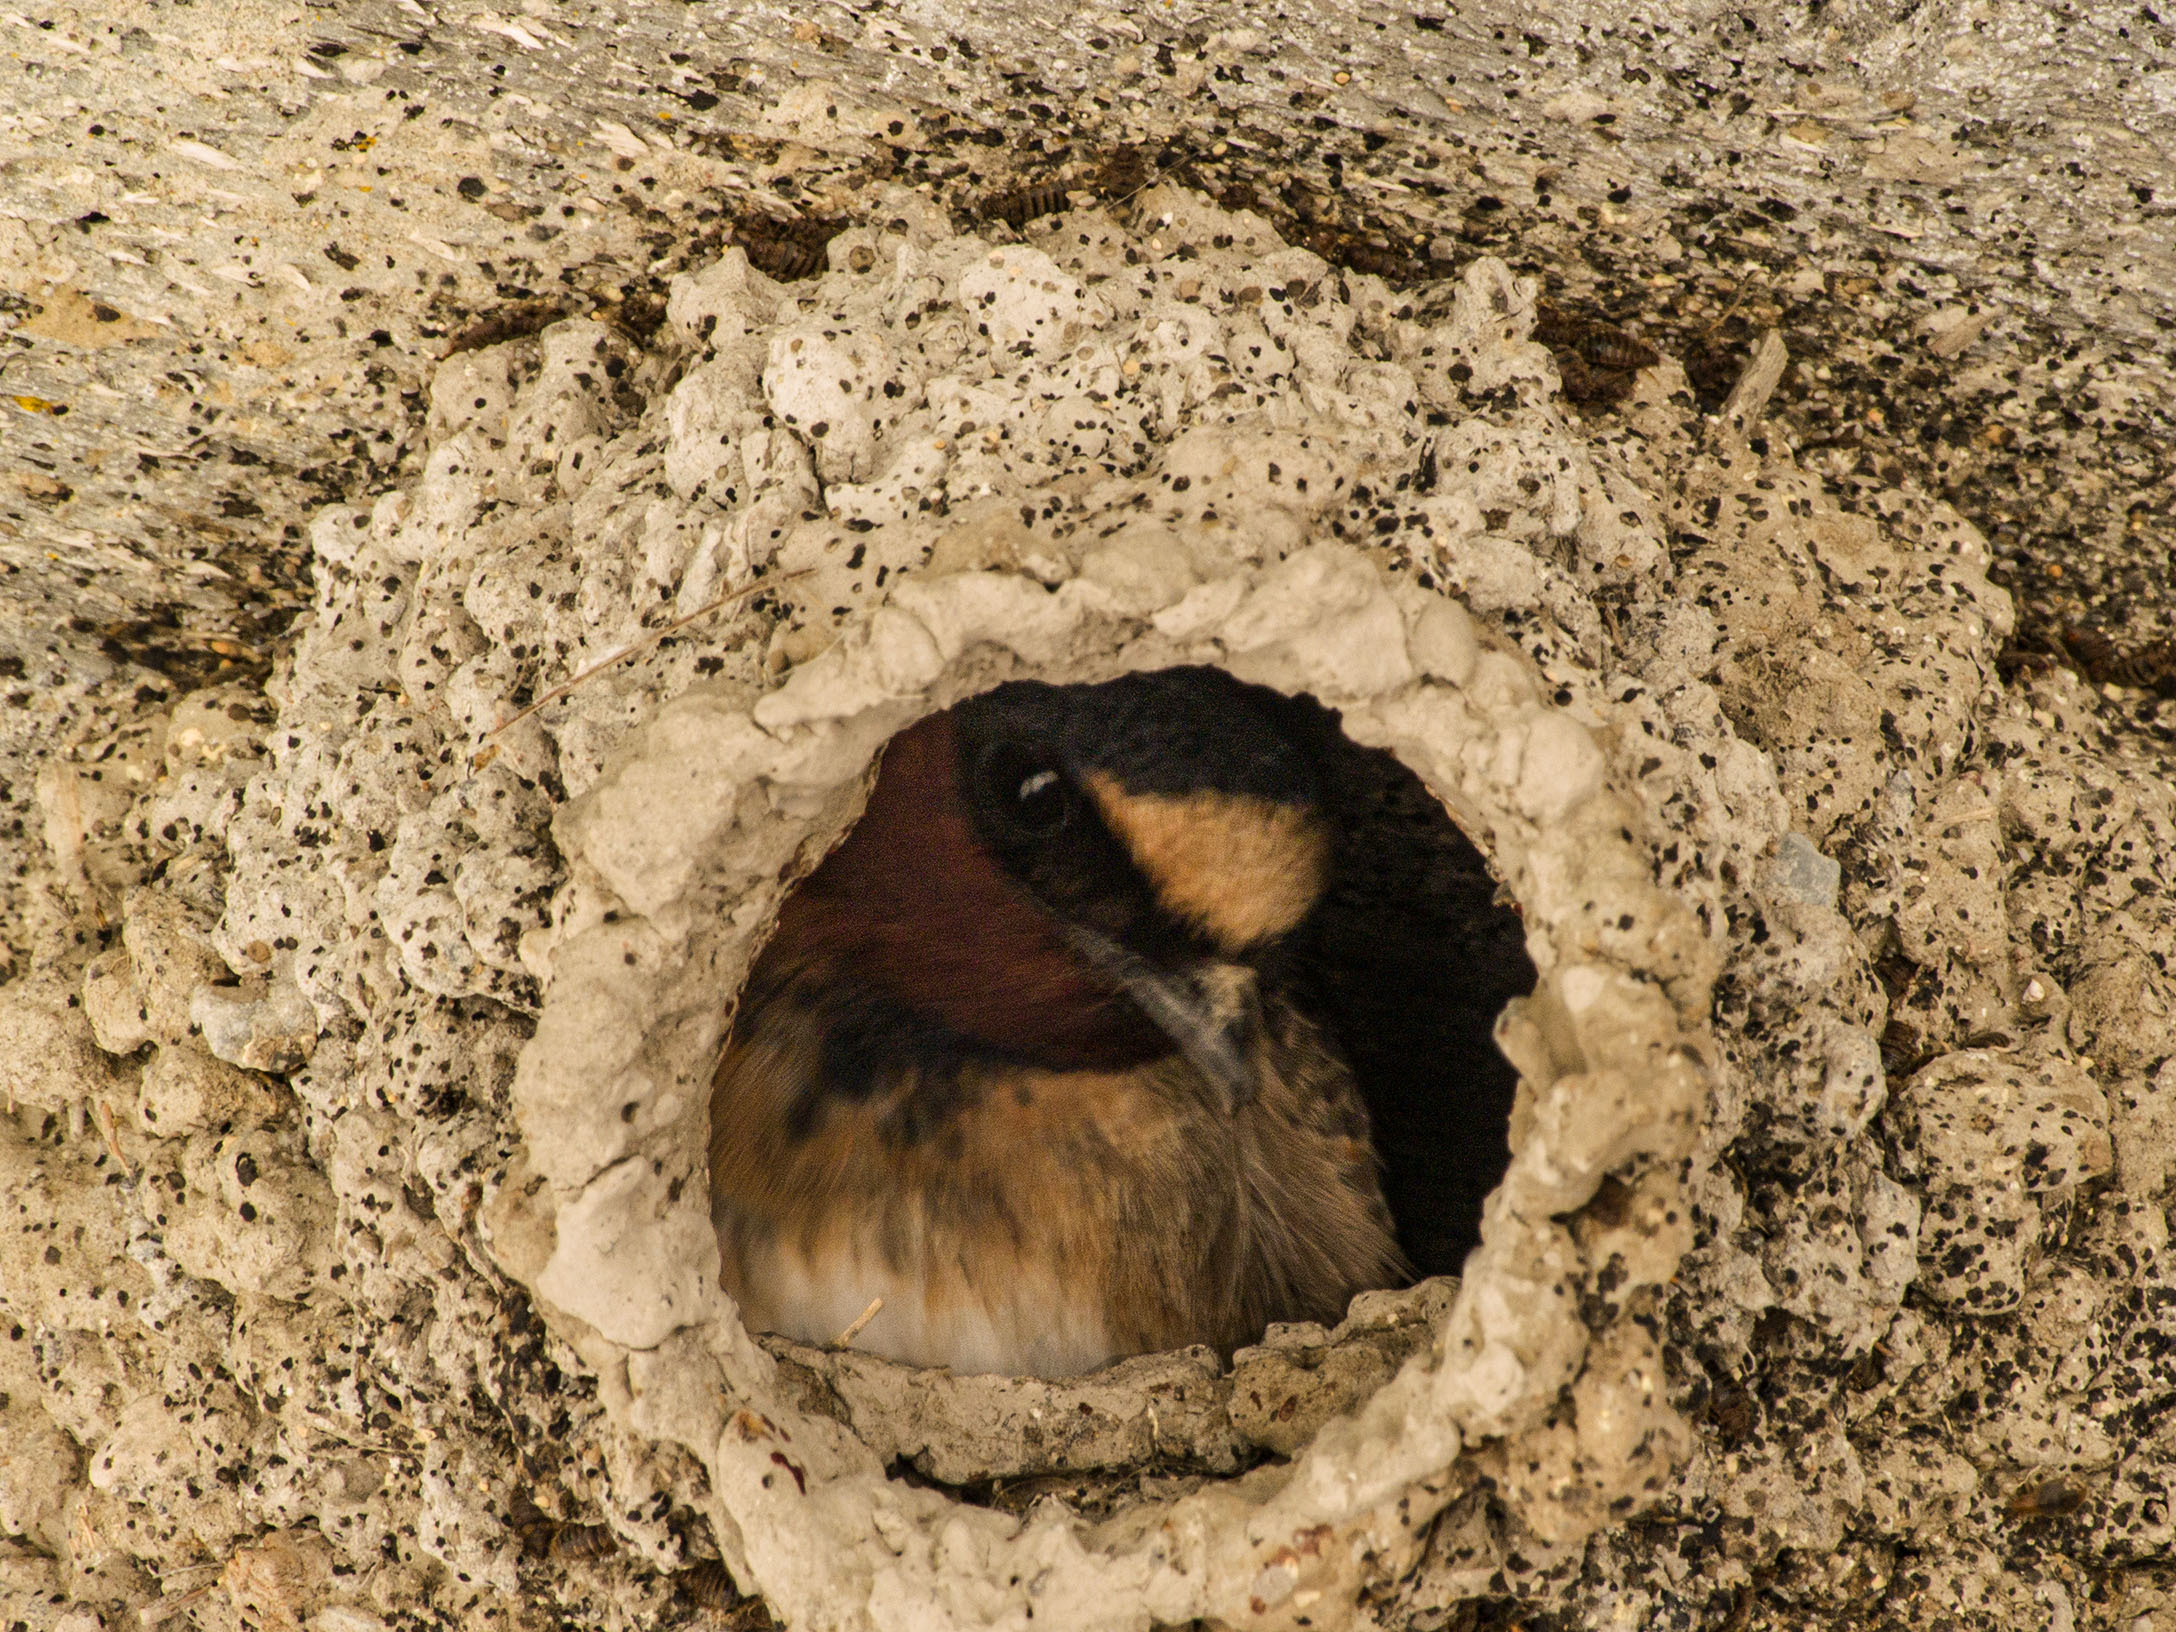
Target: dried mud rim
point(1541, 1371)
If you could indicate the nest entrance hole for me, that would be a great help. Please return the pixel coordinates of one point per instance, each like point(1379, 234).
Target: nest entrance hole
point(1401, 955)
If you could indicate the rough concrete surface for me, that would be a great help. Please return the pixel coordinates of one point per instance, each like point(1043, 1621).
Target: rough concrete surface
point(373, 371)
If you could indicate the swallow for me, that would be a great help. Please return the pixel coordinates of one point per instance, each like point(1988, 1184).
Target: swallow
point(1049, 1054)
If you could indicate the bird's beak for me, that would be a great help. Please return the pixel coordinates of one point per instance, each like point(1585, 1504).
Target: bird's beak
point(1211, 1010)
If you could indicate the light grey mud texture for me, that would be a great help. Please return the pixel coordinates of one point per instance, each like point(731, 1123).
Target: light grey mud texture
point(355, 1031)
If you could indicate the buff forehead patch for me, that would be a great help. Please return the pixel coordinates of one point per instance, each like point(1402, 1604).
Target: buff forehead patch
point(1244, 870)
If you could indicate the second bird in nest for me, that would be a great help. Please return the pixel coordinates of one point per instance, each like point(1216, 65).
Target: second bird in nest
point(1069, 1051)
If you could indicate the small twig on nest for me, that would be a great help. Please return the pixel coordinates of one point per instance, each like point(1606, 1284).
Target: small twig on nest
point(642, 645)
point(1737, 299)
point(1154, 176)
point(102, 1114)
point(861, 1324)
point(1749, 397)
point(159, 1609)
point(181, 1570)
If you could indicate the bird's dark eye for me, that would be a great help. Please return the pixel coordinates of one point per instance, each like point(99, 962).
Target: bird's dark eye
point(1029, 793)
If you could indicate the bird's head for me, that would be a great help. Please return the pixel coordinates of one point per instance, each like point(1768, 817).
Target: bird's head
point(1082, 877)
point(1171, 826)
